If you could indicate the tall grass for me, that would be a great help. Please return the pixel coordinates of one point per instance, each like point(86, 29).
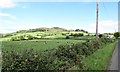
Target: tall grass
point(100, 59)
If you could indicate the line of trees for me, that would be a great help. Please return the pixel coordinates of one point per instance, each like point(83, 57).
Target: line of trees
point(81, 30)
point(21, 37)
point(77, 34)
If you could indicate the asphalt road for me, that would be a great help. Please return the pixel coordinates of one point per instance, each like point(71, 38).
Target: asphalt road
point(115, 60)
point(0, 56)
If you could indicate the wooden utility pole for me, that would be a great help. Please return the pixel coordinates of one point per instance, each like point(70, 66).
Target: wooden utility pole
point(97, 19)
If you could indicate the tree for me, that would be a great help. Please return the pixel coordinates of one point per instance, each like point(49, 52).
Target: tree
point(100, 35)
point(7, 35)
point(77, 30)
point(67, 37)
point(116, 34)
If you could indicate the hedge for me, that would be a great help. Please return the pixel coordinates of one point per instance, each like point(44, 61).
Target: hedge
point(62, 58)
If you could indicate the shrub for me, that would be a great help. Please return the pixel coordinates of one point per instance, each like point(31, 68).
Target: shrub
point(7, 35)
point(77, 35)
point(21, 37)
point(70, 54)
point(67, 37)
point(28, 60)
point(61, 58)
point(100, 35)
point(63, 33)
point(116, 34)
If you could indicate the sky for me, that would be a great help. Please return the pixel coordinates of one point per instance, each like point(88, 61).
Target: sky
point(24, 15)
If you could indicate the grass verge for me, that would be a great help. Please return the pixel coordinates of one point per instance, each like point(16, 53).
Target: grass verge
point(100, 59)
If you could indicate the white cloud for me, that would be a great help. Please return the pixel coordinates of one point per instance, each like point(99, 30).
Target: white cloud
point(3, 31)
point(66, 0)
point(7, 15)
point(7, 26)
point(6, 30)
point(104, 26)
point(7, 3)
point(12, 3)
point(7, 21)
point(24, 7)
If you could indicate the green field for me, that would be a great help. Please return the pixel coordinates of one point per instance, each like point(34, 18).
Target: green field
point(78, 48)
point(42, 40)
point(43, 33)
point(37, 45)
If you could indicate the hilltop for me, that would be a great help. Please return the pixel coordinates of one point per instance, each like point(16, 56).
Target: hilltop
point(45, 29)
point(44, 32)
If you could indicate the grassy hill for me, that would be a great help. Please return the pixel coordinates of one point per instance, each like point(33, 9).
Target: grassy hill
point(42, 29)
point(41, 33)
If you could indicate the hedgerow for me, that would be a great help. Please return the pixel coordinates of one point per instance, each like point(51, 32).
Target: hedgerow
point(21, 37)
point(62, 58)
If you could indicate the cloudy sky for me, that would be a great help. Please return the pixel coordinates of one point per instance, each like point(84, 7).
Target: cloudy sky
point(18, 14)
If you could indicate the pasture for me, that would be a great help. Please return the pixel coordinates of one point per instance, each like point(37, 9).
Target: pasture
point(37, 45)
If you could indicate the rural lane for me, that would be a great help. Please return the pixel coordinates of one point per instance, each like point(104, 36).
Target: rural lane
point(115, 60)
point(0, 55)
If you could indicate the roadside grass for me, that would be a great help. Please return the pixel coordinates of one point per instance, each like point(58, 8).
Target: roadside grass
point(99, 60)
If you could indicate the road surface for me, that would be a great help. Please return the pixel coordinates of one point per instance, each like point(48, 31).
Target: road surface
point(115, 60)
point(0, 55)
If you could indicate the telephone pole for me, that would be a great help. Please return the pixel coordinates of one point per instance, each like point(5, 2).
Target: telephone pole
point(97, 19)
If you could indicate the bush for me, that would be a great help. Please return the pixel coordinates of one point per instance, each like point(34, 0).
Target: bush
point(77, 35)
point(70, 54)
point(7, 35)
point(67, 37)
point(61, 58)
point(116, 35)
point(28, 60)
point(21, 37)
point(100, 35)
